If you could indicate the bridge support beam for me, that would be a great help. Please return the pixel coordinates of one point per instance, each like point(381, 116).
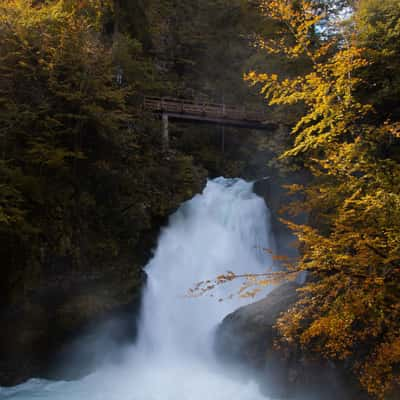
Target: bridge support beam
point(165, 133)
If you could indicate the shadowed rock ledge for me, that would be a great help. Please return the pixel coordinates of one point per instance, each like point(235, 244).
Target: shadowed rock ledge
point(247, 336)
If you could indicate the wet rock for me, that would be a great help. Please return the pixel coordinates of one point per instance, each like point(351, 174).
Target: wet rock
point(247, 333)
point(247, 336)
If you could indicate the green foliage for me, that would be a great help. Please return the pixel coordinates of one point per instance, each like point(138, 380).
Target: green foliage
point(82, 170)
point(201, 50)
point(378, 24)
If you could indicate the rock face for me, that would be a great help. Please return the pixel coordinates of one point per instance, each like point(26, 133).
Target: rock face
point(247, 333)
point(55, 311)
point(272, 190)
point(247, 336)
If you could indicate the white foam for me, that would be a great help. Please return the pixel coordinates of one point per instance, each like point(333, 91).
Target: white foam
point(224, 228)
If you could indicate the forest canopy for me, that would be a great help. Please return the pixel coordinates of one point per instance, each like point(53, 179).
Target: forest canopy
point(80, 160)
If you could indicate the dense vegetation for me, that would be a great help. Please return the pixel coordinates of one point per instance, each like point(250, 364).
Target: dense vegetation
point(84, 182)
point(348, 137)
point(79, 160)
point(84, 179)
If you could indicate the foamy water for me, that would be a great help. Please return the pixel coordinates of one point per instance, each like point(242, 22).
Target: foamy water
point(224, 228)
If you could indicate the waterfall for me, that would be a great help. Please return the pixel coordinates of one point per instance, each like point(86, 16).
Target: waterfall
point(224, 228)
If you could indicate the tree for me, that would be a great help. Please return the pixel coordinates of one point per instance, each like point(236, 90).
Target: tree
point(79, 159)
point(378, 32)
point(349, 307)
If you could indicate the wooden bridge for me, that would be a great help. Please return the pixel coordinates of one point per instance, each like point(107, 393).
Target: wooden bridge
point(222, 114)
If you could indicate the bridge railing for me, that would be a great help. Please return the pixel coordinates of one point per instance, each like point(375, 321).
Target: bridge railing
point(211, 110)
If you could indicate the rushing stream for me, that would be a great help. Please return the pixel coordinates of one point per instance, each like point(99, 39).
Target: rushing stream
point(224, 228)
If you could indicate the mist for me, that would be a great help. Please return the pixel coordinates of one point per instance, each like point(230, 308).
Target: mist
point(225, 228)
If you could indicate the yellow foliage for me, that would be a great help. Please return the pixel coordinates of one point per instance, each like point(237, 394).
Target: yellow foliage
point(349, 309)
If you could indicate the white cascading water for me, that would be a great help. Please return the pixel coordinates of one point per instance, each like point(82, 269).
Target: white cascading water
point(224, 228)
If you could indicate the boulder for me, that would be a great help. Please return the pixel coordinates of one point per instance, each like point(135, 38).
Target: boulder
point(247, 337)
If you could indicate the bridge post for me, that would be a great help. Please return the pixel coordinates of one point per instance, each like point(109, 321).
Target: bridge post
point(165, 133)
point(223, 139)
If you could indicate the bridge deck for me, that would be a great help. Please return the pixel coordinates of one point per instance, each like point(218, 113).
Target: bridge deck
point(208, 112)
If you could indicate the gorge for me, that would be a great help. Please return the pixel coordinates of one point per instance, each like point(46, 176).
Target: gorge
point(115, 115)
point(224, 228)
